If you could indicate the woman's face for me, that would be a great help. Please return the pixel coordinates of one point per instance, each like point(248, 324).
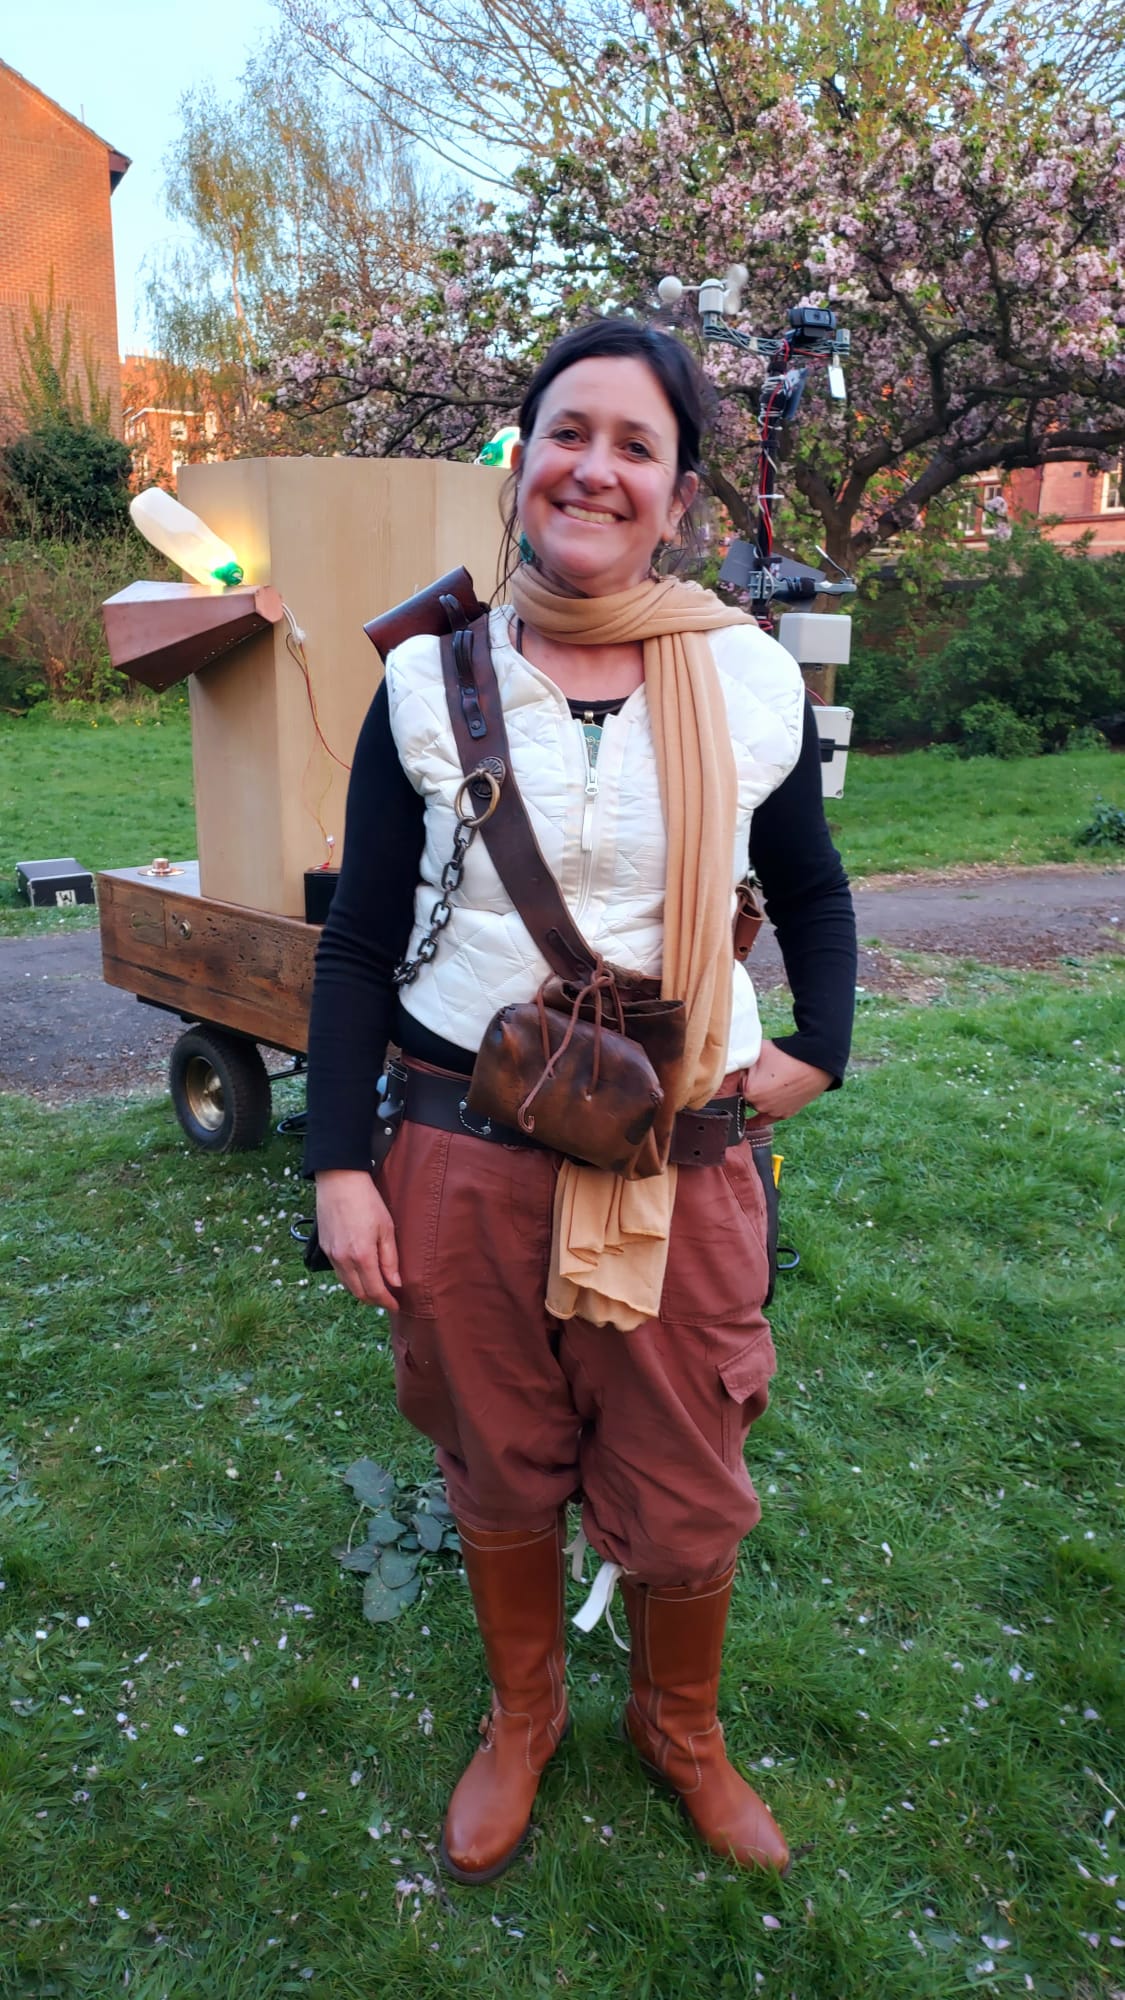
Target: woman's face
point(597, 486)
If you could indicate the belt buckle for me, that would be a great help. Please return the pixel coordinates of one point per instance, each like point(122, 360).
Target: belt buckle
point(477, 1132)
point(740, 1120)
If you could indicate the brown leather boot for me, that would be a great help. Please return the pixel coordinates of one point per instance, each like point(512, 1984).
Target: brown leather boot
point(517, 1582)
point(671, 1718)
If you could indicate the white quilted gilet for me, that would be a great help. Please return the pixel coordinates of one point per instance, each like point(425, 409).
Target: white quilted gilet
point(606, 848)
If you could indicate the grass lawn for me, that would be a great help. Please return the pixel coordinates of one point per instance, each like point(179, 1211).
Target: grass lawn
point(922, 810)
point(113, 793)
point(118, 793)
point(218, 1783)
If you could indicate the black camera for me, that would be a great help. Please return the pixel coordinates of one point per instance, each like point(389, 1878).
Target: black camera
point(812, 319)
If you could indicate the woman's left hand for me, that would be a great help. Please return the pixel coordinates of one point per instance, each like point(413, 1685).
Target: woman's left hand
point(778, 1085)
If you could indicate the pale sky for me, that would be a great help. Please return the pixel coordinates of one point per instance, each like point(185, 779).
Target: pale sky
point(121, 67)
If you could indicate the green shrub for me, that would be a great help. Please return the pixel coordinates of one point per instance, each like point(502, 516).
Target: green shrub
point(1106, 828)
point(52, 643)
point(66, 477)
point(1043, 634)
point(990, 729)
point(1034, 630)
point(1086, 737)
point(882, 690)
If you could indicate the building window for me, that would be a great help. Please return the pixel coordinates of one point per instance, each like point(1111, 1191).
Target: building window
point(968, 511)
point(1113, 488)
point(177, 428)
point(210, 423)
point(993, 509)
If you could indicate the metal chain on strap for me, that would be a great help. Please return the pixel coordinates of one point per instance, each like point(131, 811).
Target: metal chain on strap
point(482, 785)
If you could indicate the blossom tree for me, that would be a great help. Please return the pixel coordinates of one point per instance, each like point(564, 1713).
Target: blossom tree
point(959, 207)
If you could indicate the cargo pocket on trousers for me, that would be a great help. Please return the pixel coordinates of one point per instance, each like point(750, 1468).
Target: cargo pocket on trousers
point(716, 1272)
point(421, 1389)
point(745, 1377)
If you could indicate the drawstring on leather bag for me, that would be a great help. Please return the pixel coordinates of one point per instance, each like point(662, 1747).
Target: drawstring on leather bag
point(603, 981)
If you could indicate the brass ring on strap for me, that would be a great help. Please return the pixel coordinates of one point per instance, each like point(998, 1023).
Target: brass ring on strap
point(489, 774)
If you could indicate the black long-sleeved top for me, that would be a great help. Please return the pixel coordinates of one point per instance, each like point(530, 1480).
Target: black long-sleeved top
point(355, 1009)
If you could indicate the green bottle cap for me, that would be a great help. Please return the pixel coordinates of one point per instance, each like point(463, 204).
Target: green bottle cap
point(228, 575)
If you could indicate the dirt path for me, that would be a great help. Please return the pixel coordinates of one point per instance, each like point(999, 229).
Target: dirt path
point(64, 1034)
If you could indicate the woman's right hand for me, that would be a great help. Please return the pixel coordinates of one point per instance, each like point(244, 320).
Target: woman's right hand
point(357, 1235)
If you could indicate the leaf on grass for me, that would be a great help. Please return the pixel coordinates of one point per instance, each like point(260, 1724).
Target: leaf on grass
point(369, 1482)
point(382, 1528)
point(451, 1540)
point(429, 1531)
point(438, 1504)
point(381, 1604)
point(363, 1558)
point(396, 1569)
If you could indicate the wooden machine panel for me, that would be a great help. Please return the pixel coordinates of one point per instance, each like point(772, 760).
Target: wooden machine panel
point(241, 969)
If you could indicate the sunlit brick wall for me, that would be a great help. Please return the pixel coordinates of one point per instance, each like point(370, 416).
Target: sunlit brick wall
point(55, 218)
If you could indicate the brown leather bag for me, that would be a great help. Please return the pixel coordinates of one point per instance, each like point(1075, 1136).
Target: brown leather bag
point(655, 1025)
point(555, 1068)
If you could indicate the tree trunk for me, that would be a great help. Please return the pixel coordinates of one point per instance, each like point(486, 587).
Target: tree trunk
point(821, 683)
point(737, 507)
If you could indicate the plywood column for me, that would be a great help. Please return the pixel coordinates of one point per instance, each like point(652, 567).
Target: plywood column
point(342, 539)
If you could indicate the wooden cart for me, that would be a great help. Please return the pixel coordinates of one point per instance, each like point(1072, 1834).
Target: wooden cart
point(276, 708)
point(237, 977)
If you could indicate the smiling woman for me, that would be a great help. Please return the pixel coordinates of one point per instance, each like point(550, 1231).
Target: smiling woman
point(564, 1333)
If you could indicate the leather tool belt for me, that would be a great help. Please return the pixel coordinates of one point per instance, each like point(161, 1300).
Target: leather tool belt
point(699, 1138)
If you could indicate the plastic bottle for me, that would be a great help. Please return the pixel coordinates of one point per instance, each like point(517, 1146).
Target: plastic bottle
point(184, 538)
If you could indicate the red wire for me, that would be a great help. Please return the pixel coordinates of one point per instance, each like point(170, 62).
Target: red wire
point(305, 676)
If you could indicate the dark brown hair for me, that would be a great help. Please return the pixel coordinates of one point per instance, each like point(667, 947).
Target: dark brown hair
point(615, 340)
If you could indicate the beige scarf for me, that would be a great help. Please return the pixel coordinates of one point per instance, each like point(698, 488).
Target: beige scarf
point(610, 1242)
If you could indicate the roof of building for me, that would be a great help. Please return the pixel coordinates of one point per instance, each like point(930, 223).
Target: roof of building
point(119, 163)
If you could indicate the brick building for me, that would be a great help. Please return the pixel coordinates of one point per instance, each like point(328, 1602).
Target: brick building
point(1087, 503)
point(161, 429)
point(56, 179)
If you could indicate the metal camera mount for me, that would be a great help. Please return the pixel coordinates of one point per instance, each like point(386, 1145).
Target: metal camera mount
point(819, 641)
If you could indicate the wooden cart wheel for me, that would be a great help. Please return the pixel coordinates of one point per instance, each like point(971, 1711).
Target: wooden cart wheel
point(220, 1090)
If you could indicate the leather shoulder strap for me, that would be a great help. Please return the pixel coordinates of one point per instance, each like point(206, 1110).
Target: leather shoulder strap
point(477, 716)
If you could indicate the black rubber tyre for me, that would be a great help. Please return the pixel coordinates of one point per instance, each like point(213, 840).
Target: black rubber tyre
point(220, 1091)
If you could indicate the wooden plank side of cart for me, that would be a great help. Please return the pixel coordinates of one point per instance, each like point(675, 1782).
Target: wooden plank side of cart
point(239, 969)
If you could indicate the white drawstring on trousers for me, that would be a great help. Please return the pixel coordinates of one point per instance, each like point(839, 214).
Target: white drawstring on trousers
point(601, 1592)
